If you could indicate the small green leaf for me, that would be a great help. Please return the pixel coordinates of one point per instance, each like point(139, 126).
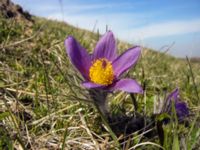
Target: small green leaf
point(162, 117)
point(175, 142)
point(2, 84)
point(4, 115)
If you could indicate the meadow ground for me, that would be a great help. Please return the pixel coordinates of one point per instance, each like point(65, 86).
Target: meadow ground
point(43, 105)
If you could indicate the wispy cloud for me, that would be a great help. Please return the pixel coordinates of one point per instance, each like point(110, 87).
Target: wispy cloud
point(72, 8)
point(148, 23)
point(115, 21)
point(167, 29)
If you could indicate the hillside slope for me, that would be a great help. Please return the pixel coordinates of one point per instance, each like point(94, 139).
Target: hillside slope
point(42, 104)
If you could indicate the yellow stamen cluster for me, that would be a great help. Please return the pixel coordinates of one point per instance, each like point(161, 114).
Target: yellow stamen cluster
point(101, 72)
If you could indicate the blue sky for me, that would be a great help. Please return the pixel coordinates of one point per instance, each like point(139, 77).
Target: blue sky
point(157, 24)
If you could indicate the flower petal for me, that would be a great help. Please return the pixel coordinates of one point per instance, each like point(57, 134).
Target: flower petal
point(127, 85)
point(126, 60)
point(91, 85)
point(173, 95)
point(78, 56)
point(106, 47)
point(181, 110)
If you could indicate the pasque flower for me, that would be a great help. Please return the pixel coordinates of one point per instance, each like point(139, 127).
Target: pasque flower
point(103, 68)
point(181, 107)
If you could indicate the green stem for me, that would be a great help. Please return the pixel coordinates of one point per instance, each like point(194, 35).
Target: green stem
point(105, 121)
point(64, 139)
point(193, 79)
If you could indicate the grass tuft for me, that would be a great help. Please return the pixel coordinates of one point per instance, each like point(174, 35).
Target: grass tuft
point(43, 106)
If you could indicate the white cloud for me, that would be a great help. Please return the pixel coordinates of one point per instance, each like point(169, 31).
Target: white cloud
point(166, 29)
point(125, 27)
point(116, 21)
point(119, 22)
point(124, 24)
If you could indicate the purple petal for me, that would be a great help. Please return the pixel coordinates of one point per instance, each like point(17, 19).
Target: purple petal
point(173, 95)
point(181, 110)
point(91, 85)
point(127, 85)
point(106, 47)
point(126, 60)
point(78, 56)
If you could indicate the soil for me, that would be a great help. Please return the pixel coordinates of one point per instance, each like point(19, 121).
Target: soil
point(10, 10)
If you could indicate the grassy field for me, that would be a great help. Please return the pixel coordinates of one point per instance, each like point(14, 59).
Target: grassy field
point(43, 105)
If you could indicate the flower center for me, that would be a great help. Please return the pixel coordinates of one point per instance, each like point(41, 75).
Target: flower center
point(101, 72)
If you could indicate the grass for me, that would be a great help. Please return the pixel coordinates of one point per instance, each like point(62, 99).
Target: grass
point(43, 106)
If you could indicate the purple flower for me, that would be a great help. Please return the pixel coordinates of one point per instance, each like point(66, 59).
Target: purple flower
point(181, 108)
point(103, 68)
